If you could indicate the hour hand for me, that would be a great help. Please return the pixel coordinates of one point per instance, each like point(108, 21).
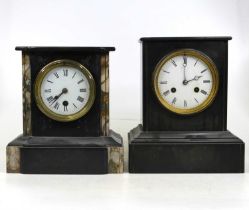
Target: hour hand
point(64, 90)
point(194, 79)
point(197, 77)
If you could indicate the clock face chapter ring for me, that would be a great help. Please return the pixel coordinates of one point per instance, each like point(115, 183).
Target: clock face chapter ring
point(185, 81)
point(64, 90)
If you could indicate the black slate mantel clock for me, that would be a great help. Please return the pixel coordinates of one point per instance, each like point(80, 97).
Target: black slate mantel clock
point(65, 114)
point(185, 109)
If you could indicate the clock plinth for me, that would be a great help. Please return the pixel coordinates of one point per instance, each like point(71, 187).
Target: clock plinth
point(185, 152)
point(65, 114)
point(65, 155)
point(184, 127)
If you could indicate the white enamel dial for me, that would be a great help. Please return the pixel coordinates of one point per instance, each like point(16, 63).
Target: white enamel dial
point(64, 90)
point(186, 82)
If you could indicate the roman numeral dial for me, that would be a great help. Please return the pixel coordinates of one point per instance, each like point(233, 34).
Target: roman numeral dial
point(185, 81)
point(65, 90)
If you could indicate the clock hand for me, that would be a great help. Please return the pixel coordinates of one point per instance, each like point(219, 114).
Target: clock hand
point(195, 78)
point(184, 70)
point(64, 90)
point(185, 60)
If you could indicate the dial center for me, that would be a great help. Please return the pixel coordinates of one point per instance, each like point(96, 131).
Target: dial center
point(64, 90)
point(185, 82)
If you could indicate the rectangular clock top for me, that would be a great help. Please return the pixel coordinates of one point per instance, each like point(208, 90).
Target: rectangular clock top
point(208, 38)
point(63, 49)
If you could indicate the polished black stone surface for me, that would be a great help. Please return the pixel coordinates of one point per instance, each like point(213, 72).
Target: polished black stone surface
point(201, 38)
point(158, 118)
point(185, 152)
point(64, 49)
point(65, 155)
point(90, 57)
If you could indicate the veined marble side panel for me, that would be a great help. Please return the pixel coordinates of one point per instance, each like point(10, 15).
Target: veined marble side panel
point(115, 159)
point(13, 159)
point(26, 83)
point(105, 94)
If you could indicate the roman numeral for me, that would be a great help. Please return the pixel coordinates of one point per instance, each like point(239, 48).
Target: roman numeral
point(203, 70)
point(196, 101)
point(56, 106)
point(65, 104)
point(50, 99)
point(185, 59)
point(80, 81)
point(185, 103)
point(80, 99)
point(163, 82)
point(173, 62)
point(65, 72)
point(83, 90)
point(166, 71)
point(166, 93)
point(47, 90)
point(204, 92)
point(174, 100)
point(206, 81)
point(196, 62)
point(50, 81)
point(74, 75)
point(74, 105)
point(56, 75)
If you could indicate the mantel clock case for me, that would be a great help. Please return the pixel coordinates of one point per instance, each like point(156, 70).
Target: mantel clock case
point(66, 113)
point(184, 126)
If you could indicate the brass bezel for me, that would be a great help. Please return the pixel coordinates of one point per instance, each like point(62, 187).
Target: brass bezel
point(214, 73)
point(37, 90)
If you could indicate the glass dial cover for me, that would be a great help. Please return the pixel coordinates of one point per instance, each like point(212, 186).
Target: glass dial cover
point(64, 90)
point(186, 81)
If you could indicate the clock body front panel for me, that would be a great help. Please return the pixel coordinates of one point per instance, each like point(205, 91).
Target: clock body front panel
point(170, 105)
point(45, 124)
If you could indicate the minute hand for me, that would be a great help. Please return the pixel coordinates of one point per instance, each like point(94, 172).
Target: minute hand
point(184, 68)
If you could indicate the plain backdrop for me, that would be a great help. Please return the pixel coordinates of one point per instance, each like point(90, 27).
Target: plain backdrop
point(121, 24)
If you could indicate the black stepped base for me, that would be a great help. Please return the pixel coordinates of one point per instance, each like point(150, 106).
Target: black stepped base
point(65, 155)
point(185, 152)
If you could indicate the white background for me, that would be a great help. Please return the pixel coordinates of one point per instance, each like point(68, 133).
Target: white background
point(121, 24)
